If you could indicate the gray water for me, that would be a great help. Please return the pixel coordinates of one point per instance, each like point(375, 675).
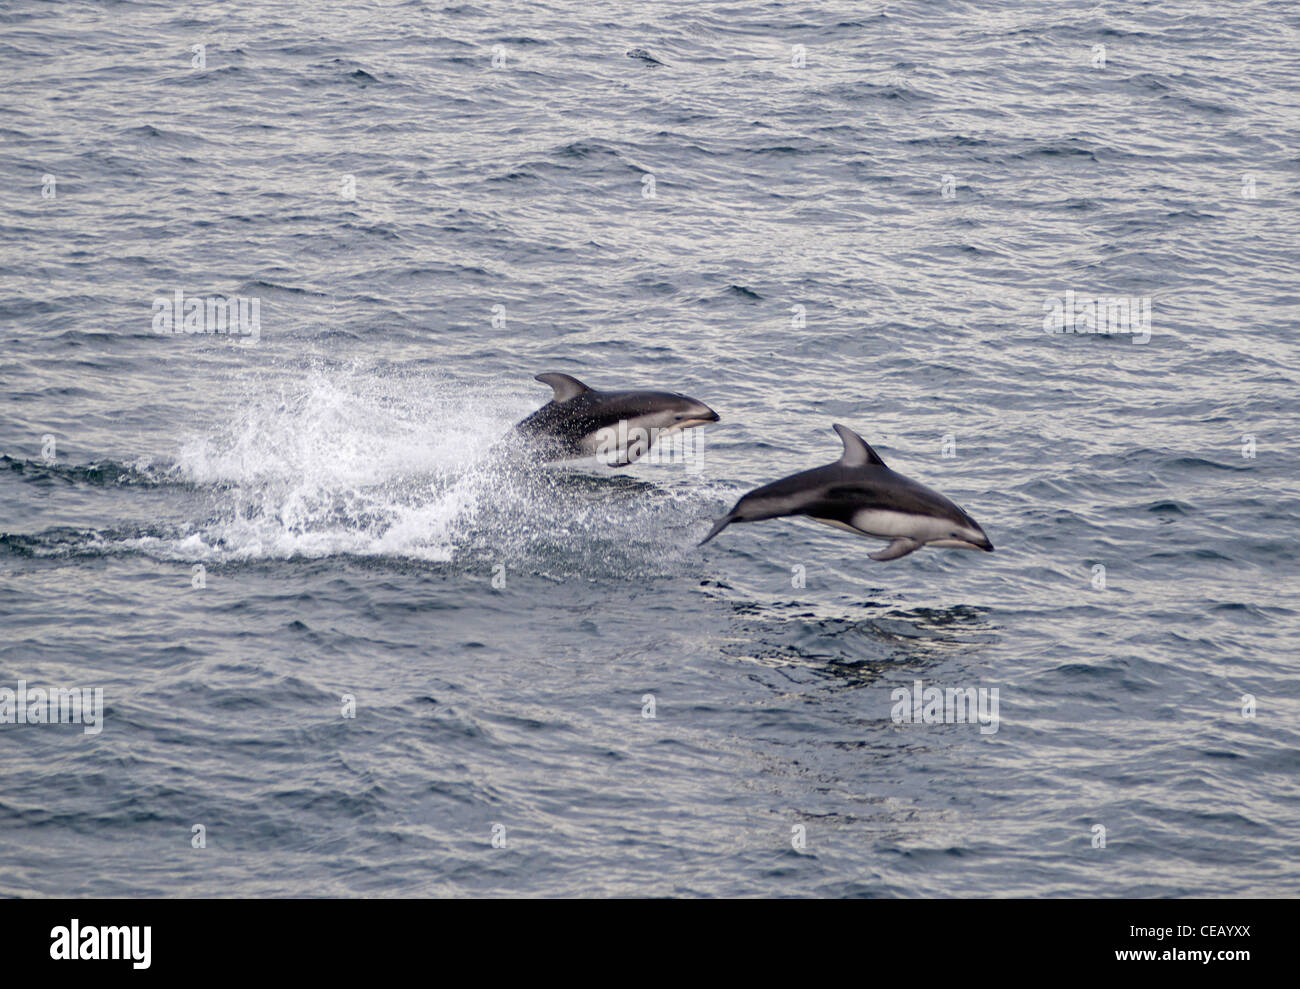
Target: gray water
point(923, 185)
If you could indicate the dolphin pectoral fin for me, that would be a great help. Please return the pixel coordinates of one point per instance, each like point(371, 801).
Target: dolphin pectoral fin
point(718, 526)
point(565, 386)
point(899, 547)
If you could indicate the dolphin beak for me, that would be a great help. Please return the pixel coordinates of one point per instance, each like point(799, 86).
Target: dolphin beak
point(700, 415)
point(974, 538)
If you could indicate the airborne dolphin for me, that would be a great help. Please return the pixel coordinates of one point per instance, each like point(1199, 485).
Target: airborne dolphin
point(616, 426)
point(859, 493)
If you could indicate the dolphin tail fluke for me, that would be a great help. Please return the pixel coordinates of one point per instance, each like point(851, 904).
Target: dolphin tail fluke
point(718, 526)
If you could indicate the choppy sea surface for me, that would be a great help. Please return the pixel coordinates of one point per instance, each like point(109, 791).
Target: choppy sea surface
point(352, 651)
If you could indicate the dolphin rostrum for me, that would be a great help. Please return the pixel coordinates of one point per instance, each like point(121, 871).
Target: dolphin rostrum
point(859, 493)
point(617, 427)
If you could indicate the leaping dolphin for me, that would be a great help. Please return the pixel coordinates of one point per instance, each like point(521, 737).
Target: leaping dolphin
point(618, 427)
point(859, 493)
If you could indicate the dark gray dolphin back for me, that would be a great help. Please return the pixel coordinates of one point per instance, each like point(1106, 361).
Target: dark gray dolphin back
point(566, 418)
point(787, 496)
point(837, 491)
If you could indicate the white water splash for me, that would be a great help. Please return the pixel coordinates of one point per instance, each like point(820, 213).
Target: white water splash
point(346, 463)
point(354, 462)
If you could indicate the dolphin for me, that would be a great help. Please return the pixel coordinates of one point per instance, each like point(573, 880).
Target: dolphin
point(616, 426)
point(860, 494)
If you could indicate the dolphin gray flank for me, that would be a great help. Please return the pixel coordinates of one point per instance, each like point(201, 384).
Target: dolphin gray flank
point(860, 494)
point(619, 427)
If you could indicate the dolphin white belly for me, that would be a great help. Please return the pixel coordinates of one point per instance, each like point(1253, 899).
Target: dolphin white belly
point(885, 524)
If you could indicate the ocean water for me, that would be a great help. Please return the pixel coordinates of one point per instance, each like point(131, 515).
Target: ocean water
point(351, 650)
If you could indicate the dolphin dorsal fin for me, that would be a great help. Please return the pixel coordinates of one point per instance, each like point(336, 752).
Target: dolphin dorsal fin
point(856, 451)
point(566, 385)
